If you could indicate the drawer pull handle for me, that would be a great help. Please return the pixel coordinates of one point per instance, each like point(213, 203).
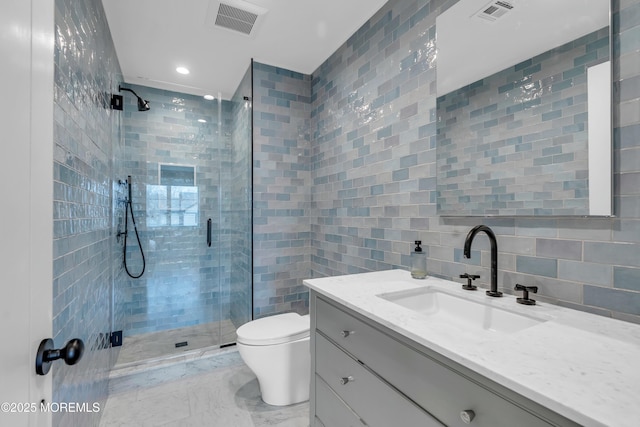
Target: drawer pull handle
point(347, 333)
point(345, 380)
point(467, 416)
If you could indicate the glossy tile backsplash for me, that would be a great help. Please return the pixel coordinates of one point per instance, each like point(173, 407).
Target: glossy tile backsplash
point(373, 152)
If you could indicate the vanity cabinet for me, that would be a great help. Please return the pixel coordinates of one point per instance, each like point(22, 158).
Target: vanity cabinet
point(366, 374)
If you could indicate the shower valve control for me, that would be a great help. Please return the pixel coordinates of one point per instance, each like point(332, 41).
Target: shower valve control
point(119, 233)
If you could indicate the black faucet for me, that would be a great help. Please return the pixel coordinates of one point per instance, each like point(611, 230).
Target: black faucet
point(493, 292)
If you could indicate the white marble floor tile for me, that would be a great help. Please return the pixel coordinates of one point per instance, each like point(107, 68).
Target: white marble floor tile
point(157, 345)
point(153, 374)
point(215, 391)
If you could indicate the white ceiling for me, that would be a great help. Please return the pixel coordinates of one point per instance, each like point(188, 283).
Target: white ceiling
point(153, 37)
point(530, 28)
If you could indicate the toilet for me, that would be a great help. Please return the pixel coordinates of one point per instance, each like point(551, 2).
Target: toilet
point(276, 349)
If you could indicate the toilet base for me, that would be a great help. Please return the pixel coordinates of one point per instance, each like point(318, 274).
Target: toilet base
point(283, 370)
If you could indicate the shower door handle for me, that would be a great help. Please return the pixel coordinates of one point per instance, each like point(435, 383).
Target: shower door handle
point(209, 232)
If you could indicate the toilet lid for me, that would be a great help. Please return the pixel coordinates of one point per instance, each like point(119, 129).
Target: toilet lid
point(276, 329)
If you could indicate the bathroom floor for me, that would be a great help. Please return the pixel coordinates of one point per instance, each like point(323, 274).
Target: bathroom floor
point(214, 390)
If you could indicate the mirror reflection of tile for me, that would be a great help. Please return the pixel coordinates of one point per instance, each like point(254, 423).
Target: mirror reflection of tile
point(515, 143)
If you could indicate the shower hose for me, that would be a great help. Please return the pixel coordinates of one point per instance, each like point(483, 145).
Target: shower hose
point(129, 206)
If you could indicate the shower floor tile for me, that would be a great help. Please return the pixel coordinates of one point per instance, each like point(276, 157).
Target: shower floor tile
point(154, 345)
point(214, 391)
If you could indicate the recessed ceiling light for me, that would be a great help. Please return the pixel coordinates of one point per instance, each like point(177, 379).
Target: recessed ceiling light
point(202, 120)
point(209, 97)
point(182, 70)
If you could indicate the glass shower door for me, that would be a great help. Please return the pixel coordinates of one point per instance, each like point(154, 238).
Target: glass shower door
point(237, 208)
point(173, 153)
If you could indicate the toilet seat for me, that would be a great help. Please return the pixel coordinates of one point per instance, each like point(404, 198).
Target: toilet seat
point(278, 329)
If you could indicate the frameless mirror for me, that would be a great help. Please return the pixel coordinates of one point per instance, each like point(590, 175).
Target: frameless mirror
point(524, 108)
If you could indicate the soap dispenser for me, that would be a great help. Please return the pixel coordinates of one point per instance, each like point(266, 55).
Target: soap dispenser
point(418, 262)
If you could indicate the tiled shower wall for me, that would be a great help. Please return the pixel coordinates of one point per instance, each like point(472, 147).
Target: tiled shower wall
point(86, 71)
point(516, 142)
point(184, 283)
point(374, 177)
point(281, 185)
point(237, 189)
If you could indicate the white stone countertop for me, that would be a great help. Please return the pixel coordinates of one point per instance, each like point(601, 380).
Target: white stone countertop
point(580, 365)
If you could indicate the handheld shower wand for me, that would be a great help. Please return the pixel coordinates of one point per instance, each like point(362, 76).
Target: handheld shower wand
point(129, 205)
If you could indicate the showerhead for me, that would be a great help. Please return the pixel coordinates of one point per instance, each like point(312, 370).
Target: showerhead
point(143, 104)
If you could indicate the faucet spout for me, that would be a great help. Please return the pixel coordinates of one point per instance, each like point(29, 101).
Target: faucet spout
point(493, 292)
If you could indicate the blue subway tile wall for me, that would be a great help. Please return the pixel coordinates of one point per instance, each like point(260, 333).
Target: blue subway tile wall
point(237, 191)
point(371, 186)
point(175, 153)
point(86, 71)
point(373, 170)
point(535, 115)
point(281, 190)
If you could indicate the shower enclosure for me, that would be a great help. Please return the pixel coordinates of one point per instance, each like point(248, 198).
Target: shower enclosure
point(190, 165)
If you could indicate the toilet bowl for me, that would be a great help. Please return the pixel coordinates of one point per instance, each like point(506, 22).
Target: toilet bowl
point(276, 349)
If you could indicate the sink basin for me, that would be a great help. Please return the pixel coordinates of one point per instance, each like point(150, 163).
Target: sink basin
point(467, 313)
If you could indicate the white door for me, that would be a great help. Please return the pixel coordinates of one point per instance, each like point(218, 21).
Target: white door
point(26, 206)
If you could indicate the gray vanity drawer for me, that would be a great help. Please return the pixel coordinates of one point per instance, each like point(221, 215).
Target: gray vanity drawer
point(440, 390)
point(331, 410)
point(375, 402)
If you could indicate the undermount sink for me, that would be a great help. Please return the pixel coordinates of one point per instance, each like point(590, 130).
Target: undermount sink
point(464, 312)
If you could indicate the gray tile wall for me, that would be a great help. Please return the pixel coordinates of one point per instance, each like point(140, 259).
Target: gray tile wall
point(515, 142)
point(86, 71)
point(373, 170)
point(281, 190)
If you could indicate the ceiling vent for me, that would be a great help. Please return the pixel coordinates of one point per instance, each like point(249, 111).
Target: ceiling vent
point(236, 15)
point(494, 10)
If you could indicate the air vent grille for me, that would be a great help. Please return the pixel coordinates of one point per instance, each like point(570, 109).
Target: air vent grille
point(235, 19)
point(494, 10)
point(504, 4)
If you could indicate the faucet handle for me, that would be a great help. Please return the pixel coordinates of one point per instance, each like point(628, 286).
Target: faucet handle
point(470, 278)
point(525, 294)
